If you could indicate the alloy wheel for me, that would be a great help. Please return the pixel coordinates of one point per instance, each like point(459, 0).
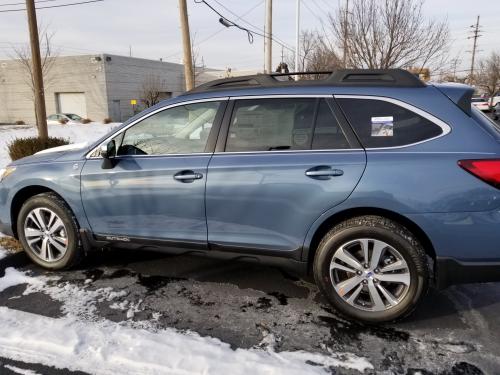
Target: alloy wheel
point(369, 274)
point(46, 234)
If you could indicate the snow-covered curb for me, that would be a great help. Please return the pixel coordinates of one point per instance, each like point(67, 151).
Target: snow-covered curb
point(81, 341)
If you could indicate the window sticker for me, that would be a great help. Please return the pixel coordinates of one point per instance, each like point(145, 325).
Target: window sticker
point(382, 126)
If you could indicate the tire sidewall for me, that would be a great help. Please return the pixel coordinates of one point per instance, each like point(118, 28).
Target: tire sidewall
point(398, 242)
point(69, 223)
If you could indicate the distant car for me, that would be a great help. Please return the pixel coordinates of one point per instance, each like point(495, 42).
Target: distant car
point(481, 104)
point(495, 99)
point(67, 118)
point(496, 111)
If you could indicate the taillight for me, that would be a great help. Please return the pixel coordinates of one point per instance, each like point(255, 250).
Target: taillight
point(487, 170)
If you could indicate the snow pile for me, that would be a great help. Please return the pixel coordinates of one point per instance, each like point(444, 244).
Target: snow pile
point(111, 348)
point(75, 133)
point(82, 341)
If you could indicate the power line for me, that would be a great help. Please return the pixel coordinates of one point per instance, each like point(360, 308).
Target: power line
point(260, 31)
point(24, 3)
point(52, 6)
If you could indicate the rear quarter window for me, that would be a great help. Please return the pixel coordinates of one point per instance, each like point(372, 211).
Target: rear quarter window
point(379, 123)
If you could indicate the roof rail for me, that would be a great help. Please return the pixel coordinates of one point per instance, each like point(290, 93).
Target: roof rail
point(344, 77)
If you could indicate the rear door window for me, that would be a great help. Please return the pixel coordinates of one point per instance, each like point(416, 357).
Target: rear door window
point(271, 124)
point(379, 123)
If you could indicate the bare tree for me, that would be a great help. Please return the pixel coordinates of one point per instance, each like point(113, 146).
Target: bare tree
point(22, 54)
point(152, 90)
point(488, 77)
point(388, 34)
point(315, 54)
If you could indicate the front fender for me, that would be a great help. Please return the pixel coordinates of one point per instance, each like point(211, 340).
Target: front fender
point(63, 178)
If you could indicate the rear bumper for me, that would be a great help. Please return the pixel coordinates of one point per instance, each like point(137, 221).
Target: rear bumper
point(451, 271)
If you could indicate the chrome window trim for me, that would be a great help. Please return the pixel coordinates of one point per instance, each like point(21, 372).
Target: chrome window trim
point(281, 96)
point(276, 152)
point(87, 156)
point(436, 121)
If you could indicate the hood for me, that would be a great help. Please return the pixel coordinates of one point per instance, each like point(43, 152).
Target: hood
point(67, 152)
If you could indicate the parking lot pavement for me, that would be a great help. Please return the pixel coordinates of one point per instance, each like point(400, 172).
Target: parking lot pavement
point(246, 305)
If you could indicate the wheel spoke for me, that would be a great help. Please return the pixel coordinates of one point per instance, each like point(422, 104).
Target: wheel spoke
point(355, 294)
point(34, 220)
point(334, 265)
point(378, 304)
point(388, 295)
point(44, 250)
point(33, 240)
point(378, 249)
point(32, 232)
point(396, 266)
point(40, 219)
point(57, 225)
point(364, 247)
point(347, 285)
point(57, 245)
point(52, 217)
point(399, 278)
point(347, 258)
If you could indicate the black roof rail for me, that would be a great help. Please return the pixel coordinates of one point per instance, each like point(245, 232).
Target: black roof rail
point(344, 77)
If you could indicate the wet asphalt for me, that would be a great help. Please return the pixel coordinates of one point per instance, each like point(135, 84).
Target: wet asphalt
point(454, 331)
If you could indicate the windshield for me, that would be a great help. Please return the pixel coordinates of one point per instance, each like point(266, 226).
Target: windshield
point(73, 116)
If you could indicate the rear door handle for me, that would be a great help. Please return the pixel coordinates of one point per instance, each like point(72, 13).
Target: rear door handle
point(323, 172)
point(187, 176)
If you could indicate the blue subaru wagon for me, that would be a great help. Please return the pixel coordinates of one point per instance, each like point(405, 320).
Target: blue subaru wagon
point(376, 183)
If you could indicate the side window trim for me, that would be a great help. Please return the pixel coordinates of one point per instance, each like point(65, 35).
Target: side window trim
point(446, 129)
point(215, 127)
point(349, 133)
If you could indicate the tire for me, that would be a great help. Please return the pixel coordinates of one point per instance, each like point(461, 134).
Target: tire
point(33, 235)
point(402, 252)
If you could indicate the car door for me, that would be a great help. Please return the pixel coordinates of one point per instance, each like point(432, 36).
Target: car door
point(282, 163)
point(156, 188)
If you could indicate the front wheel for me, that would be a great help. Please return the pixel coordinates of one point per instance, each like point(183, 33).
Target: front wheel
point(371, 269)
point(48, 232)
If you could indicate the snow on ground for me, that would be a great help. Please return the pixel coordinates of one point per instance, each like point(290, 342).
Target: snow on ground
point(100, 346)
point(75, 133)
point(3, 252)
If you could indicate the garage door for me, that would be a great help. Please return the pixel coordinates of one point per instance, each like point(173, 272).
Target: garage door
point(72, 102)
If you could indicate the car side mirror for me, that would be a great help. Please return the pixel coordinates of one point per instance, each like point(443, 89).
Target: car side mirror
point(108, 153)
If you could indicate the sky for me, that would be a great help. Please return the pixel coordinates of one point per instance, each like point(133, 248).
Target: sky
point(150, 28)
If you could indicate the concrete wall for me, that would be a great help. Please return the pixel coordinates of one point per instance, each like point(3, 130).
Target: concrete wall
point(104, 79)
point(68, 74)
point(125, 77)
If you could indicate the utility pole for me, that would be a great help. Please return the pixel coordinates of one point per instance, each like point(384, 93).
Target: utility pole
point(268, 43)
point(41, 114)
point(297, 37)
point(186, 42)
point(475, 35)
point(344, 58)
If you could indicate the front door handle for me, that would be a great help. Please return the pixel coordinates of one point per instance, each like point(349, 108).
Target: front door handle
point(323, 172)
point(187, 176)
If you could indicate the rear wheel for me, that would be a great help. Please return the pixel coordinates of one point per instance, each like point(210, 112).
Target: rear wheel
point(49, 232)
point(371, 269)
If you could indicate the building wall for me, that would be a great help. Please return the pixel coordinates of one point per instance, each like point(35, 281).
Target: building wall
point(69, 74)
point(107, 81)
point(125, 77)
